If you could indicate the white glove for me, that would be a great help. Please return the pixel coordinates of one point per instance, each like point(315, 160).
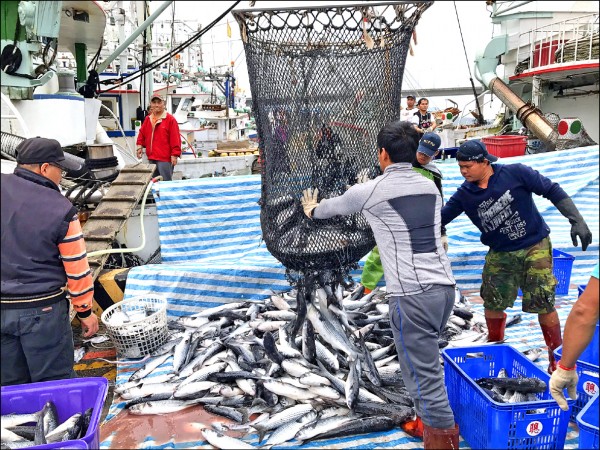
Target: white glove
point(363, 176)
point(309, 201)
point(445, 242)
point(560, 380)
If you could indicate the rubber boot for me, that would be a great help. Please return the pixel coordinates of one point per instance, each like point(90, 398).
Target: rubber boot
point(553, 340)
point(414, 428)
point(496, 328)
point(440, 438)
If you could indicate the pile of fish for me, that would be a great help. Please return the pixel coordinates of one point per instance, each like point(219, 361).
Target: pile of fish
point(504, 389)
point(42, 427)
point(314, 363)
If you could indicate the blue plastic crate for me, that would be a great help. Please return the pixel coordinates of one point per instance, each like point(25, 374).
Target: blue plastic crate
point(485, 423)
point(562, 266)
point(70, 396)
point(587, 420)
point(588, 371)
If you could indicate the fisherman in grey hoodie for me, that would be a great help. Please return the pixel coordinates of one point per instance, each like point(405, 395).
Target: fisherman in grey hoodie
point(403, 209)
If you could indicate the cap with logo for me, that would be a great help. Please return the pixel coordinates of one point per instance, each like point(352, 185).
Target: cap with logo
point(474, 151)
point(429, 144)
point(39, 150)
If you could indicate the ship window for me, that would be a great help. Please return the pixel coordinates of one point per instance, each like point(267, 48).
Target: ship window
point(111, 104)
point(186, 104)
point(175, 103)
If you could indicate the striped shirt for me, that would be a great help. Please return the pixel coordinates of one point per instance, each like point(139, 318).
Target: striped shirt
point(80, 283)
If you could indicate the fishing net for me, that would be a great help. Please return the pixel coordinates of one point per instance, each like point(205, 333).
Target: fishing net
point(324, 81)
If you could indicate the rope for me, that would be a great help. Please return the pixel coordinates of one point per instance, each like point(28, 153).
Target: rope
point(462, 40)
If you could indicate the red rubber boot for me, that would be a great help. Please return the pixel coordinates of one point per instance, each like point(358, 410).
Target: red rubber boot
point(496, 328)
point(440, 438)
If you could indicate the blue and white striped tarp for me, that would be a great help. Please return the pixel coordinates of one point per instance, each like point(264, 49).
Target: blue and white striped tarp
point(213, 252)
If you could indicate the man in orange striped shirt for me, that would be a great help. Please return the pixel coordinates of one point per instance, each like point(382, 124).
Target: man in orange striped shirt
point(44, 262)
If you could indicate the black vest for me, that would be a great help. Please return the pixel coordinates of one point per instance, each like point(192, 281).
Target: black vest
point(35, 218)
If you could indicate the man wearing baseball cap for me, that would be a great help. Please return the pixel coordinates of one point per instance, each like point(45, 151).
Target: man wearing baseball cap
point(428, 148)
point(407, 113)
point(498, 199)
point(44, 264)
point(159, 135)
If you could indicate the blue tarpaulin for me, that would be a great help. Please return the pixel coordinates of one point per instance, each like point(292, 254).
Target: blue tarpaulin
point(213, 252)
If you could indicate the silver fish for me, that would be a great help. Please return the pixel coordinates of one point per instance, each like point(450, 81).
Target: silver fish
point(145, 390)
point(312, 379)
point(320, 426)
point(287, 390)
point(9, 436)
point(193, 389)
point(219, 440)
point(285, 416)
point(12, 420)
point(162, 406)
point(203, 373)
point(149, 367)
point(533, 353)
point(287, 431)
point(295, 367)
point(58, 433)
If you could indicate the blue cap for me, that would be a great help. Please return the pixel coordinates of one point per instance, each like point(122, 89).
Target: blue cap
point(429, 144)
point(474, 151)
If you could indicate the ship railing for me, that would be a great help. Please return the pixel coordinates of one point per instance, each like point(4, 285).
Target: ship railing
point(568, 41)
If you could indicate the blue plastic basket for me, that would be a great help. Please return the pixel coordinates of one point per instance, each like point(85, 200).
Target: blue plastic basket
point(587, 420)
point(485, 423)
point(562, 266)
point(588, 370)
point(70, 396)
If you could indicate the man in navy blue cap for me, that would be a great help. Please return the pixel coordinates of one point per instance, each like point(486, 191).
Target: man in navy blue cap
point(428, 149)
point(44, 266)
point(498, 199)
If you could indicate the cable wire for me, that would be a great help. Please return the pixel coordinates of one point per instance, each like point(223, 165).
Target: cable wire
point(156, 64)
point(480, 120)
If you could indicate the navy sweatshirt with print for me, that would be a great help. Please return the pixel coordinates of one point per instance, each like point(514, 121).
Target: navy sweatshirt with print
point(505, 212)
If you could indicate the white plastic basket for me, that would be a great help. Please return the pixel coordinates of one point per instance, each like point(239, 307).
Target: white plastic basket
point(137, 326)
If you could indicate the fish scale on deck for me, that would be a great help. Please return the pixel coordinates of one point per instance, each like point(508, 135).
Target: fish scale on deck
point(236, 370)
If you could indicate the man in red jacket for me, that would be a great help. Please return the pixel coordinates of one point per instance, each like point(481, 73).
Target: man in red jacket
point(159, 134)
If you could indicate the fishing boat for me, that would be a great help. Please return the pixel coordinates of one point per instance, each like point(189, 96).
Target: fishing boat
point(543, 65)
point(50, 86)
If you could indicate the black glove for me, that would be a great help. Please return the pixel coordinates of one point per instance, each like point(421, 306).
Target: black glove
point(578, 226)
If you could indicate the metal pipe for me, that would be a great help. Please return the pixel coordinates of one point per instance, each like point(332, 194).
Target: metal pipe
point(527, 113)
point(133, 36)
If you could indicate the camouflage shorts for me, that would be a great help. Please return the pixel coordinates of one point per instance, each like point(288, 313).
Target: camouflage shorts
point(529, 269)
